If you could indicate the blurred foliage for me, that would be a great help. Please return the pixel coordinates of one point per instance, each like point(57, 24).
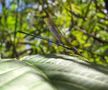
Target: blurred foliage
point(54, 26)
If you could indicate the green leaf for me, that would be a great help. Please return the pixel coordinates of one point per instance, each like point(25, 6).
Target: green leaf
point(15, 75)
point(70, 73)
point(62, 72)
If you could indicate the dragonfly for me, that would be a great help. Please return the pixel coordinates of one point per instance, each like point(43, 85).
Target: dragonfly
point(57, 34)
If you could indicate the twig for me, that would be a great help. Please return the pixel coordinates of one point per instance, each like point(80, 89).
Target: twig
point(94, 37)
point(56, 43)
